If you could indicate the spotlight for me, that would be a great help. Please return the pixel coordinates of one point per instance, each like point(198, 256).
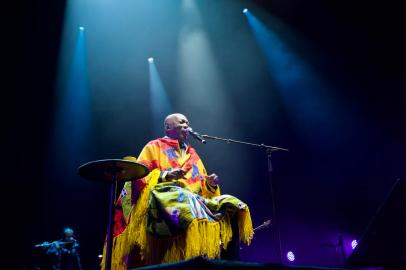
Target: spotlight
point(100, 256)
point(245, 10)
point(291, 256)
point(151, 60)
point(354, 244)
point(81, 28)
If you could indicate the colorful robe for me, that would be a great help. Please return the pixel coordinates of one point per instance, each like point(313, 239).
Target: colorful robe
point(166, 221)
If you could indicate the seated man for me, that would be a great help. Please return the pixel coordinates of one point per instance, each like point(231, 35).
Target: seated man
point(176, 212)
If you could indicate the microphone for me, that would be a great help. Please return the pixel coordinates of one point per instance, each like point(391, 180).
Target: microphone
point(196, 135)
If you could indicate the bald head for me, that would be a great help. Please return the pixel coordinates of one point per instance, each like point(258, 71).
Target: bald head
point(172, 119)
point(176, 126)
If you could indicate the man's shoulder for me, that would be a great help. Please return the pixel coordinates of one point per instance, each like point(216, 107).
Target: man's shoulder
point(152, 142)
point(160, 142)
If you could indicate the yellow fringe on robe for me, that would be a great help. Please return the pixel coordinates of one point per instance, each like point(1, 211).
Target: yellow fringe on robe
point(201, 238)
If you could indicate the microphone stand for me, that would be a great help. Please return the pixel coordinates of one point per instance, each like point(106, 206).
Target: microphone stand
point(269, 150)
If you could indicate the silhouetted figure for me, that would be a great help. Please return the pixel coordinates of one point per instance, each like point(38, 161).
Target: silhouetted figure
point(62, 254)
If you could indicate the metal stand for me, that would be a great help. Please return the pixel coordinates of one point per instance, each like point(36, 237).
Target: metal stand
point(112, 171)
point(269, 150)
point(110, 227)
point(275, 218)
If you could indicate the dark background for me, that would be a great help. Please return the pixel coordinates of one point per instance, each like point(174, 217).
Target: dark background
point(330, 184)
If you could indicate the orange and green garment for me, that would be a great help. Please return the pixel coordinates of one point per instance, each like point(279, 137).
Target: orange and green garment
point(160, 221)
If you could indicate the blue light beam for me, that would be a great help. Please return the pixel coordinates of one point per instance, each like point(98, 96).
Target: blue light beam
point(159, 100)
point(73, 114)
point(307, 98)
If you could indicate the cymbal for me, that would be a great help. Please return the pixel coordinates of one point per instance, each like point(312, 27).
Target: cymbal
point(104, 170)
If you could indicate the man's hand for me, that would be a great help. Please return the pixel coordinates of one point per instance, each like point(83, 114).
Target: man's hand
point(175, 174)
point(213, 180)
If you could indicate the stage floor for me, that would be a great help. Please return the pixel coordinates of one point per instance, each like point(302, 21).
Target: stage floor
point(202, 263)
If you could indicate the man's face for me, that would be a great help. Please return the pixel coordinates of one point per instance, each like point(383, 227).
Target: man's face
point(68, 234)
point(176, 127)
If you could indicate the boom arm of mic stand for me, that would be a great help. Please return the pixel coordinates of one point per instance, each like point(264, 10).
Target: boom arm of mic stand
point(271, 148)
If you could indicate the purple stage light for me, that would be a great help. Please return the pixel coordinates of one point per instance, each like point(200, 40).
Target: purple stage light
point(354, 244)
point(290, 256)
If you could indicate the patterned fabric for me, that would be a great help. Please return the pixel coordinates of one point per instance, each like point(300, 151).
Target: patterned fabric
point(165, 155)
point(172, 208)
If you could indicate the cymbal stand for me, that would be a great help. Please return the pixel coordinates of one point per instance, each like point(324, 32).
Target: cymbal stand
point(110, 228)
